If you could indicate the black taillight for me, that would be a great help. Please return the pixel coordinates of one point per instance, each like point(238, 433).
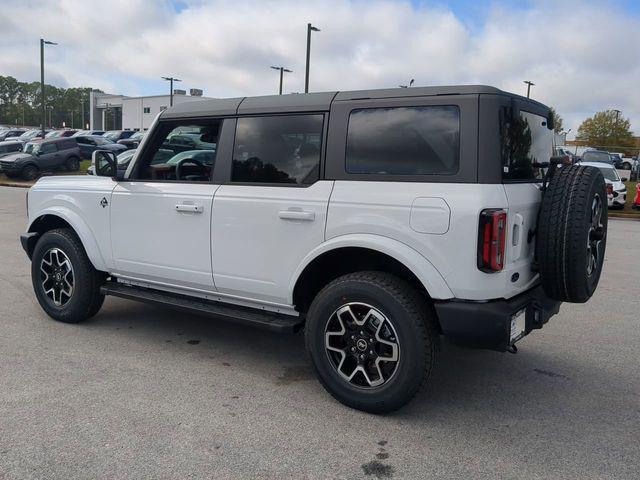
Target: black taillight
point(492, 230)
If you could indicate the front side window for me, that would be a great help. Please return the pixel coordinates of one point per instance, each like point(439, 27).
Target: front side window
point(179, 156)
point(48, 148)
point(404, 141)
point(526, 142)
point(277, 149)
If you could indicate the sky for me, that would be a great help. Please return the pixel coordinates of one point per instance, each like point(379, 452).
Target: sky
point(583, 56)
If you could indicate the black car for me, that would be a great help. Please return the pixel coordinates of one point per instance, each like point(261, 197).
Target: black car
point(90, 143)
point(116, 135)
point(11, 146)
point(42, 156)
point(133, 141)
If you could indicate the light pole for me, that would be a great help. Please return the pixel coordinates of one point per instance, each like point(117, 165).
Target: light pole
point(43, 42)
point(171, 80)
point(282, 70)
point(50, 108)
point(529, 85)
point(615, 125)
point(310, 28)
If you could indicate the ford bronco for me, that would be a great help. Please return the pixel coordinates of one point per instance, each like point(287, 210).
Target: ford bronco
point(376, 221)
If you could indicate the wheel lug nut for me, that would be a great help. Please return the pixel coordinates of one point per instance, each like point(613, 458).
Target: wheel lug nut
point(370, 352)
point(362, 357)
point(361, 332)
point(353, 349)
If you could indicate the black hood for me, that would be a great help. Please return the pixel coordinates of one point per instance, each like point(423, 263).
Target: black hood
point(17, 156)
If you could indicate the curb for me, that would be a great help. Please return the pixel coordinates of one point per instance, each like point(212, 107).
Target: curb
point(15, 184)
point(624, 216)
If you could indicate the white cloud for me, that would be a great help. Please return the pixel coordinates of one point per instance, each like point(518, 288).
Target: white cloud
point(582, 57)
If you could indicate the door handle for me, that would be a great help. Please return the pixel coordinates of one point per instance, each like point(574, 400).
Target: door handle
point(297, 215)
point(189, 208)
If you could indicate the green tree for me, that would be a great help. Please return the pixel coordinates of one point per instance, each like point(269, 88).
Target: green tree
point(557, 121)
point(606, 129)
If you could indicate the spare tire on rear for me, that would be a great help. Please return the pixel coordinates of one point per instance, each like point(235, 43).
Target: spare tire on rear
point(572, 233)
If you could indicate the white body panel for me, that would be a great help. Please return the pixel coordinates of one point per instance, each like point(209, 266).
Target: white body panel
point(384, 209)
point(77, 201)
point(161, 232)
point(261, 234)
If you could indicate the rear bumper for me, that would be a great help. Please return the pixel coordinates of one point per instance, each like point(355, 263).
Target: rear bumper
point(488, 324)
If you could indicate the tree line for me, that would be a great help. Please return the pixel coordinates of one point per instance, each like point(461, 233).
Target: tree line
point(21, 104)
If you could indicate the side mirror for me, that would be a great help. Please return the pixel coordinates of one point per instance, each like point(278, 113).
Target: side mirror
point(105, 163)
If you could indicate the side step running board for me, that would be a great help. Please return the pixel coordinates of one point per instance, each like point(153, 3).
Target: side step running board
point(242, 315)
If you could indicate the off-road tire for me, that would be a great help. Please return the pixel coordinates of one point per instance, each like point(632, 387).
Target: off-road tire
point(29, 172)
point(73, 164)
point(414, 322)
point(564, 233)
point(86, 299)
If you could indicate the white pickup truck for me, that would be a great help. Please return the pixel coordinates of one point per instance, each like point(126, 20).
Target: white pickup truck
point(376, 221)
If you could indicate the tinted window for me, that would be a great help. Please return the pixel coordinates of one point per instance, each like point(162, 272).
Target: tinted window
point(592, 156)
point(47, 148)
point(525, 141)
point(404, 141)
point(278, 149)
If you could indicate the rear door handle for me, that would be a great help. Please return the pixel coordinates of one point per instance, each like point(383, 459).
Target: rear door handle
point(189, 208)
point(297, 215)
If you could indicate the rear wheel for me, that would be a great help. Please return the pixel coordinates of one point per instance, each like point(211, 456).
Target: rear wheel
point(73, 164)
point(29, 172)
point(572, 233)
point(65, 283)
point(372, 340)
point(626, 166)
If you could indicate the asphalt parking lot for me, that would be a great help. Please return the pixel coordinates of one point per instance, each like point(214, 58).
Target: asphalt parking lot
point(142, 392)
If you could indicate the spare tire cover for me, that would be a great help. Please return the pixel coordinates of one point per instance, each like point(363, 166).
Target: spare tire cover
point(572, 233)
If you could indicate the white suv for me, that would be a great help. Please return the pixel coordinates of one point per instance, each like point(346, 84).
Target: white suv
point(375, 220)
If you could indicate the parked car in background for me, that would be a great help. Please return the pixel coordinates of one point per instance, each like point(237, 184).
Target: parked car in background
point(616, 189)
point(42, 156)
point(30, 135)
point(116, 135)
point(564, 152)
point(90, 143)
point(616, 158)
point(88, 132)
point(60, 133)
point(8, 147)
point(10, 133)
point(133, 141)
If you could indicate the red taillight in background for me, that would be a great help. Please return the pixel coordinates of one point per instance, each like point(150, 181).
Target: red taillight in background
point(491, 239)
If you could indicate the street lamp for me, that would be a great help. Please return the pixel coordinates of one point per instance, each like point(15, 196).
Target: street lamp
point(43, 42)
point(407, 86)
point(529, 85)
point(282, 70)
point(171, 80)
point(310, 28)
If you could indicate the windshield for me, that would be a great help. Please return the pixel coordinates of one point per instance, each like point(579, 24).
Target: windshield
point(32, 148)
point(112, 135)
point(137, 136)
point(592, 156)
point(125, 157)
point(102, 140)
point(610, 174)
point(203, 156)
point(526, 141)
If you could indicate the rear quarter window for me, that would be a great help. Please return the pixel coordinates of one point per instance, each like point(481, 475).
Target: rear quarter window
point(404, 141)
point(525, 142)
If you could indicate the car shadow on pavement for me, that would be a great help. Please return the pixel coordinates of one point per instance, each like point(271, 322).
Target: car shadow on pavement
point(475, 383)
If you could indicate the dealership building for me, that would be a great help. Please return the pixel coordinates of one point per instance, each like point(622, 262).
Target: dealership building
point(119, 112)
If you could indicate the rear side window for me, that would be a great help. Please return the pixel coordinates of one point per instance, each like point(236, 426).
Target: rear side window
point(525, 142)
point(277, 149)
point(404, 141)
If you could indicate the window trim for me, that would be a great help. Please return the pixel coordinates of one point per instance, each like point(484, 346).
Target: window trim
point(323, 142)
point(468, 139)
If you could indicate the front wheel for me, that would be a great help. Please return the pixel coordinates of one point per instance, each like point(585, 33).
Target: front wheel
point(372, 340)
point(29, 172)
point(64, 280)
